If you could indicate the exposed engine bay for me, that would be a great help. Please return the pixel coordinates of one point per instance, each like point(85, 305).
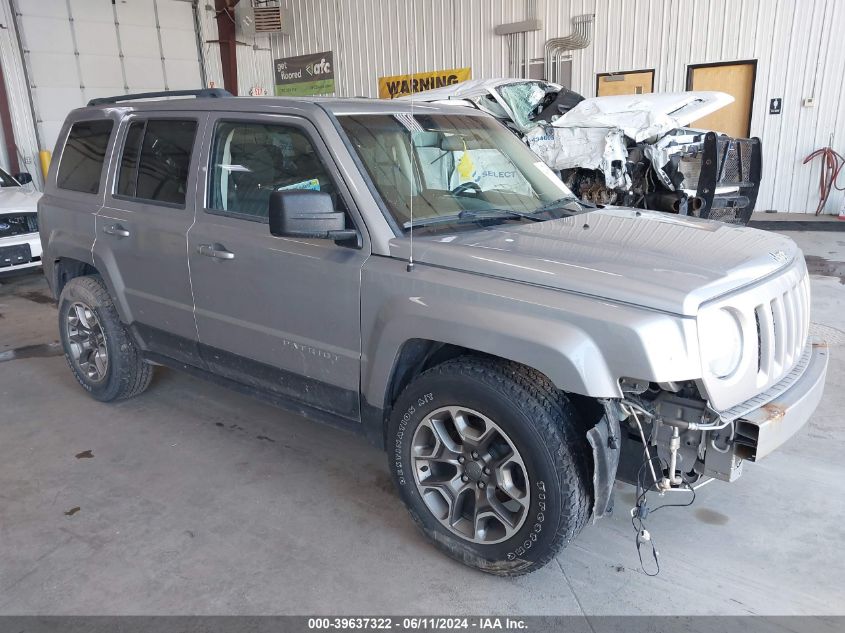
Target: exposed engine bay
point(683, 442)
point(626, 150)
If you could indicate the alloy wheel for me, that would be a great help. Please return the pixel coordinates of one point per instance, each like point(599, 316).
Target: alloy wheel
point(470, 475)
point(87, 342)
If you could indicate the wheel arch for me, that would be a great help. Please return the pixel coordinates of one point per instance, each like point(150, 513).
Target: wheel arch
point(565, 354)
point(67, 268)
point(595, 424)
point(415, 355)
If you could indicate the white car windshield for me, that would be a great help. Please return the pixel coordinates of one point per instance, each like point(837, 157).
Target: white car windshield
point(454, 168)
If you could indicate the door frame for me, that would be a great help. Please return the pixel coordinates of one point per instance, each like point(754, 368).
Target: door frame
point(739, 62)
point(338, 403)
point(624, 72)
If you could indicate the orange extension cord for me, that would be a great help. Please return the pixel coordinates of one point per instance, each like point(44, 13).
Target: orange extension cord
point(832, 163)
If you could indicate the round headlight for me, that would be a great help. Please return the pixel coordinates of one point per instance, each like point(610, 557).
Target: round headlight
point(720, 336)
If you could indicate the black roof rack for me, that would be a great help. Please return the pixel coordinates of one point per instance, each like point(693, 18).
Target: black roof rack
point(203, 93)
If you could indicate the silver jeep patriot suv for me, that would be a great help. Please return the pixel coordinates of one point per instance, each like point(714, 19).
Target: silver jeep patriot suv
point(415, 273)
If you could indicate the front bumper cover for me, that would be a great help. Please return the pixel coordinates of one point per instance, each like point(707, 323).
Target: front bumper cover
point(764, 429)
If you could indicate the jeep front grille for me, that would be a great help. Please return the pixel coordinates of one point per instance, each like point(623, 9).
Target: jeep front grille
point(782, 324)
point(774, 316)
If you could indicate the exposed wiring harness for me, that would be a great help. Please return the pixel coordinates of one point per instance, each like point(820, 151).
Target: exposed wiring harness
point(641, 510)
point(832, 164)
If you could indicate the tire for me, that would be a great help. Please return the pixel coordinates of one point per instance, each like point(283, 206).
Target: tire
point(99, 350)
point(537, 427)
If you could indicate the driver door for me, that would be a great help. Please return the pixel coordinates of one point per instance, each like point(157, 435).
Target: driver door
point(278, 314)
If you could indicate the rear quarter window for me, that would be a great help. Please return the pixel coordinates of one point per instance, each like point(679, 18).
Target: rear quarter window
point(81, 163)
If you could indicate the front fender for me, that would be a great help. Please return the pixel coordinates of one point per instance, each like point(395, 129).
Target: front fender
point(564, 353)
point(583, 344)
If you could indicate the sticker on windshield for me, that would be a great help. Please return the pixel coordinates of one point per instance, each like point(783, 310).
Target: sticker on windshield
point(491, 170)
point(313, 184)
point(466, 168)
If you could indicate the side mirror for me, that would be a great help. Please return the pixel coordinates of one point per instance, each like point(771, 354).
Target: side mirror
point(24, 177)
point(306, 213)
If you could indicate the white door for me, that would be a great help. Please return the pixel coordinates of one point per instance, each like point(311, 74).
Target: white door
point(76, 50)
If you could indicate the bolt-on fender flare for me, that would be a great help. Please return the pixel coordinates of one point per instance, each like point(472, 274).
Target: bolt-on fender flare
point(106, 265)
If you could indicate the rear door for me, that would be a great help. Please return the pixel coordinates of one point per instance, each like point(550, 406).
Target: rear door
point(142, 228)
point(279, 314)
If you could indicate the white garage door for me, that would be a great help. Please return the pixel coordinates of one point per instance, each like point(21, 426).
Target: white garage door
point(76, 50)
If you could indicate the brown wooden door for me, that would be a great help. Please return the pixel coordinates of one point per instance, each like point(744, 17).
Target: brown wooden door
point(633, 83)
point(737, 79)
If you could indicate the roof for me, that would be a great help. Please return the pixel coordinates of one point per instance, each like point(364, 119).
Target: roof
point(335, 105)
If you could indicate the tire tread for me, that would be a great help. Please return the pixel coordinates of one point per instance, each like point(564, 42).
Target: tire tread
point(555, 419)
point(134, 375)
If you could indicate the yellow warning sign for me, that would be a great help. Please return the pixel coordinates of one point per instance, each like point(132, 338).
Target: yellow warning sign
point(403, 85)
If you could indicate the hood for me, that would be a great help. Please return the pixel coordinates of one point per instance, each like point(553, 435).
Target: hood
point(638, 116)
point(17, 199)
point(643, 116)
point(472, 88)
point(651, 259)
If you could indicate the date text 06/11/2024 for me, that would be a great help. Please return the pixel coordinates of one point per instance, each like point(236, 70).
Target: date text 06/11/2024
point(417, 623)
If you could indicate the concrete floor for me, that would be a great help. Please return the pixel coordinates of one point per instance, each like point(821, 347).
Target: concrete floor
point(198, 500)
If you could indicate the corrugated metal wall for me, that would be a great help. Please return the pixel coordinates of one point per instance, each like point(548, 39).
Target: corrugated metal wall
point(795, 42)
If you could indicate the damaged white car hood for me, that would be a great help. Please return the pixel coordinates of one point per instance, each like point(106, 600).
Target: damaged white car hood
point(640, 117)
point(592, 135)
point(17, 199)
point(471, 89)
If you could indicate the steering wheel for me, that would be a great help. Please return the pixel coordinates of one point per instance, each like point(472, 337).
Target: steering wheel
point(466, 186)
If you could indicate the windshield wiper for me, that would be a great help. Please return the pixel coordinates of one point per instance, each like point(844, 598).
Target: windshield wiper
point(560, 203)
point(471, 215)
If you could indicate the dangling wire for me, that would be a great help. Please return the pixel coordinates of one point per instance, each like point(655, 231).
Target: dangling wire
point(641, 510)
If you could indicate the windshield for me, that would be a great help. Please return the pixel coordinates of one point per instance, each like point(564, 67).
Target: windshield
point(6, 180)
point(452, 168)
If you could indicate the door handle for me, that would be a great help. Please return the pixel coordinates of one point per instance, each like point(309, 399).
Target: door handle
point(115, 229)
point(217, 251)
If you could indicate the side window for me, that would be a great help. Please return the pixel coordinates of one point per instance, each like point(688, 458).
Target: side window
point(83, 155)
point(250, 161)
point(155, 161)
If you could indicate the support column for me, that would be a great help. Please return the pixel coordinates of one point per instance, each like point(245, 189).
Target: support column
point(225, 15)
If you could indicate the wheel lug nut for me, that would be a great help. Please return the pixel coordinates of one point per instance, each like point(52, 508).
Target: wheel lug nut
point(465, 478)
point(481, 484)
point(461, 459)
point(475, 454)
point(486, 470)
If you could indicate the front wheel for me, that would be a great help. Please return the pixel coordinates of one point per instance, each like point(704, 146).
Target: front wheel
point(487, 457)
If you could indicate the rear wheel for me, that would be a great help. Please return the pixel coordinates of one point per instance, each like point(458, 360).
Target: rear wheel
point(488, 460)
point(99, 350)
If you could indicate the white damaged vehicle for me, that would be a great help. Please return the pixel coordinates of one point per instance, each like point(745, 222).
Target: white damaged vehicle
point(627, 150)
point(20, 244)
